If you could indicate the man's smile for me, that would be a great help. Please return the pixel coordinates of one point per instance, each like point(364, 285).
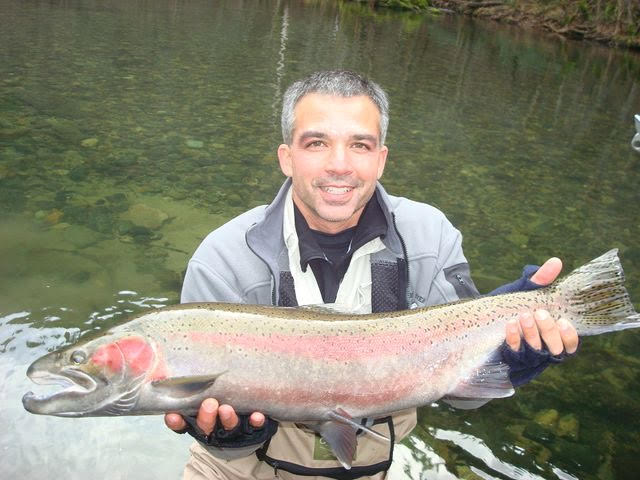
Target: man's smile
point(336, 190)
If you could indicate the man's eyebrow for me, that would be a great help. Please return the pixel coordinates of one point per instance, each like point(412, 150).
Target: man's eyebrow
point(311, 134)
point(365, 136)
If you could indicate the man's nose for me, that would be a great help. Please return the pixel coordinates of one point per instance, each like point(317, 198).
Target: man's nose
point(338, 161)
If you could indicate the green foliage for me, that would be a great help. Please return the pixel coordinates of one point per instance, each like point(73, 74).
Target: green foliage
point(584, 9)
point(404, 4)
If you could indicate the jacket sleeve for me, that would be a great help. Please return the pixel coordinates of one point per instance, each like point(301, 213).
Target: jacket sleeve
point(452, 279)
point(202, 284)
point(527, 363)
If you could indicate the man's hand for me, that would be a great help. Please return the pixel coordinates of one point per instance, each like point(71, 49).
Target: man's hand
point(539, 327)
point(207, 415)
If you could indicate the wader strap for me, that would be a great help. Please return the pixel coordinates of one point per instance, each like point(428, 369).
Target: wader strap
point(339, 473)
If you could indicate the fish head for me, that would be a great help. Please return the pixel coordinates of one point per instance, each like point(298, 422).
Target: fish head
point(95, 375)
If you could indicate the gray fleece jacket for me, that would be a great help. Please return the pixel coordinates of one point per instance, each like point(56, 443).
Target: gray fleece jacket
point(246, 260)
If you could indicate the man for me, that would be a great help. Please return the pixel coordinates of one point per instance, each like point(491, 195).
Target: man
point(333, 235)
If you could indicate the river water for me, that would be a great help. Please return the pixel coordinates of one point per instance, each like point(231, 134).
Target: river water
point(130, 129)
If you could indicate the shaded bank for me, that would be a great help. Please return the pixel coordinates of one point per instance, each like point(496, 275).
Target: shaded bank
point(613, 22)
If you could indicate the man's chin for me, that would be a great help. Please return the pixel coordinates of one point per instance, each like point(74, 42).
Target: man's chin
point(339, 216)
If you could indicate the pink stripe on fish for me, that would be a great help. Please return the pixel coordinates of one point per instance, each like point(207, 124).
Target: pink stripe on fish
point(326, 347)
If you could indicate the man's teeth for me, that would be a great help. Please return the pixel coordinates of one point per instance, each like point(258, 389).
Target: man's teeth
point(337, 190)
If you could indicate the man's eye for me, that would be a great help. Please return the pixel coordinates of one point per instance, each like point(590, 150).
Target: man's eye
point(361, 146)
point(315, 144)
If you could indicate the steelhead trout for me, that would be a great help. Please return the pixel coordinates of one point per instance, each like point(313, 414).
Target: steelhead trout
point(310, 365)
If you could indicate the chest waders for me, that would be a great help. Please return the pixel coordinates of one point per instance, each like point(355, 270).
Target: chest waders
point(339, 473)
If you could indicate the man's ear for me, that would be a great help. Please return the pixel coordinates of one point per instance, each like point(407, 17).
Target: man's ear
point(382, 160)
point(284, 157)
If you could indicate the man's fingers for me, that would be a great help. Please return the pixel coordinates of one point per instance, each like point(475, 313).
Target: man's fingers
point(228, 417)
point(569, 336)
point(548, 272)
point(174, 421)
point(257, 420)
point(207, 415)
point(549, 332)
point(513, 335)
point(530, 330)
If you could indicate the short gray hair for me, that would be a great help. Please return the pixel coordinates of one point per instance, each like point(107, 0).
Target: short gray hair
point(340, 83)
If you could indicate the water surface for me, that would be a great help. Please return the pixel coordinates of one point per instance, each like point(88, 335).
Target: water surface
point(130, 130)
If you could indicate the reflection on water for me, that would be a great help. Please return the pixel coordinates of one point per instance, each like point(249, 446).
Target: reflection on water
point(130, 130)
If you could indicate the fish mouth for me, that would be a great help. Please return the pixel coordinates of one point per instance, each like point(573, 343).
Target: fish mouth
point(74, 383)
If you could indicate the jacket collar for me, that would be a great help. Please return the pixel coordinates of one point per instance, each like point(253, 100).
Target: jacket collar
point(372, 224)
point(265, 238)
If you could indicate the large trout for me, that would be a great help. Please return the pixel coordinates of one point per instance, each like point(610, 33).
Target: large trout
point(308, 365)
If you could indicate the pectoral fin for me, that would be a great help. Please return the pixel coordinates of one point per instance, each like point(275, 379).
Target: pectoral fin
point(488, 381)
point(184, 387)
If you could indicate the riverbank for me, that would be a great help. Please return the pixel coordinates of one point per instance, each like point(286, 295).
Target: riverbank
point(612, 22)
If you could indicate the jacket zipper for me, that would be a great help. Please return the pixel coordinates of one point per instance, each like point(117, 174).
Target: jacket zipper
point(409, 298)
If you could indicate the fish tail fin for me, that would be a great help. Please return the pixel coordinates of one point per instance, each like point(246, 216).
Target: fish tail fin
point(595, 298)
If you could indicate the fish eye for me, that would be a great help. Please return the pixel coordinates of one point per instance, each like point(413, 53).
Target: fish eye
point(78, 357)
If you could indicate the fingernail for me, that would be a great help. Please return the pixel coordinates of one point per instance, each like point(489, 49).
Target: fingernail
point(512, 326)
point(563, 324)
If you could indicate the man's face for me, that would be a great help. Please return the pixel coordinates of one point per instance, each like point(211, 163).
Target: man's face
point(334, 160)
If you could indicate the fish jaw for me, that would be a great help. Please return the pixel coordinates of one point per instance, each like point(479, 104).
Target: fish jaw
point(77, 386)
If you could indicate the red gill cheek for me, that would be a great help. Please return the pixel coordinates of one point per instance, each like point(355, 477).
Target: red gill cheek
point(108, 356)
point(137, 353)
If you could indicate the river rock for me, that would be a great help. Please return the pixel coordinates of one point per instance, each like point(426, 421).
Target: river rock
point(54, 216)
point(464, 472)
point(538, 433)
point(547, 418)
point(145, 216)
point(89, 142)
point(197, 144)
point(13, 133)
point(64, 129)
point(79, 237)
point(568, 427)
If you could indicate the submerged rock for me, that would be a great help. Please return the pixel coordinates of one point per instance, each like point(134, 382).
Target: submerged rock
point(568, 426)
point(66, 130)
point(89, 142)
point(145, 216)
point(547, 418)
point(538, 433)
point(197, 144)
point(54, 216)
